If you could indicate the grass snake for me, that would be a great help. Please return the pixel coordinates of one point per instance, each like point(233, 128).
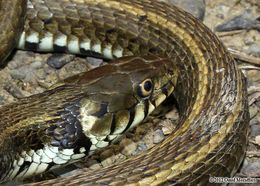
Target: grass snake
point(172, 53)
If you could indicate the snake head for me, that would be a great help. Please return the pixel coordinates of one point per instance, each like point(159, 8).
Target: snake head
point(125, 96)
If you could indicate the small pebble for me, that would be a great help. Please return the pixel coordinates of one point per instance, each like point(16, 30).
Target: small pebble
point(128, 146)
point(253, 110)
point(107, 162)
point(255, 130)
point(94, 62)
point(249, 40)
point(222, 10)
point(252, 169)
point(30, 77)
point(253, 75)
point(158, 136)
point(173, 114)
point(254, 50)
point(18, 74)
point(142, 147)
point(148, 137)
point(41, 74)
point(111, 160)
point(57, 61)
point(75, 67)
point(12, 65)
point(168, 126)
point(36, 65)
point(244, 21)
point(196, 8)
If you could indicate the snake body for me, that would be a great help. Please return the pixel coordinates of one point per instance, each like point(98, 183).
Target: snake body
point(89, 110)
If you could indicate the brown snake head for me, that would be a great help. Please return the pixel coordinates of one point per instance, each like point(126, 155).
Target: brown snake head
point(126, 96)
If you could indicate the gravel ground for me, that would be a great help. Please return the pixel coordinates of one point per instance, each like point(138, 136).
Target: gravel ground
point(29, 73)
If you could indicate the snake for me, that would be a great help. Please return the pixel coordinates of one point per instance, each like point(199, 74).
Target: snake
point(156, 50)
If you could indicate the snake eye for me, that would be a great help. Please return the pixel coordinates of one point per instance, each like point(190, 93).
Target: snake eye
point(145, 88)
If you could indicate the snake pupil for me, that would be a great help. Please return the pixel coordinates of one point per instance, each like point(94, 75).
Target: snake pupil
point(148, 85)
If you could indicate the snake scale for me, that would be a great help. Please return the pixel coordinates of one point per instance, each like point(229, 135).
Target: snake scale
point(173, 53)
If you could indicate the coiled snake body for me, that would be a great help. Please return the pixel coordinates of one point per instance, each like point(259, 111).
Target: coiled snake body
point(88, 111)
